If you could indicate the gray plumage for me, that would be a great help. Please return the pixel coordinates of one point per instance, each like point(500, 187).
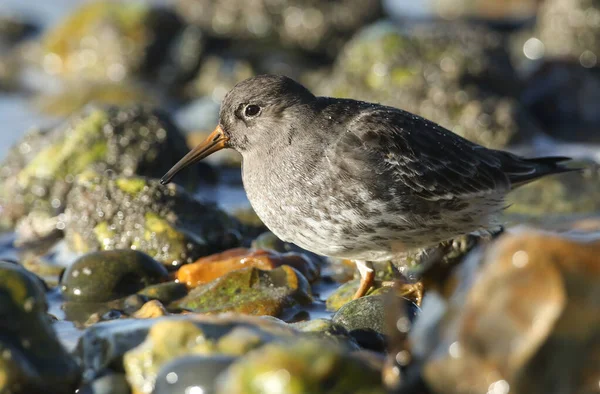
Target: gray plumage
point(362, 181)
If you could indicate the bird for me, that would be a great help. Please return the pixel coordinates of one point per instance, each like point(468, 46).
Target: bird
point(355, 180)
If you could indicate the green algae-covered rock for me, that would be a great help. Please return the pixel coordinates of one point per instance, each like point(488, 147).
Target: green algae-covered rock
point(169, 339)
point(75, 97)
point(250, 291)
point(38, 171)
point(109, 41)
point(384, 271)
point(365, 313)
point(193, 373)
point(32, 358)
point(457, 75)
point(328, 330)
point(110, 275)
point(300, 366)
point(105, 213)
point(315, 26)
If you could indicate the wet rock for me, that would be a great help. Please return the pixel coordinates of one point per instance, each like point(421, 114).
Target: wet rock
point(132, 212)
point(113, 383)
point(365, 313)
point(86, 314)
point(150, 310)
point(110, 42)
point(457, 75)
point(44, 268)
point(553, 198)
point(524, 314)
point(384, 271)
point(109, 275)
point(38, 171)
point(74, 98)
point(212, 267)
point(562, 96)
point(250, 291)
point(170, 339)
point(185, 374)
point(300, 367)
point(327, 329)
point(104, 344)
point(313, 26)
point(32, 358)
point(165, 292)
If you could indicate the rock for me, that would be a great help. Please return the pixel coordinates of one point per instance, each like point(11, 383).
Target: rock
point(165, 292)
point(38, 172)
point(301, 366)
point(384, 271)
point(524, 314)
point(365, 313)
point(73, 98)
point(33, 359)
point(217, 75)
point(110, 275)
point(553, 198)
point(212, 267)
point(561, 96)
point(320, 27)
point(114, 383)
point(187, 373)
point(250, 291)
point(105, 213)
point(150, 310)
point(328, 330)
point(104, 344)
point(564, 29)
point(457, 75)
point(103, 41)
point(170, 339)
point(44, 268)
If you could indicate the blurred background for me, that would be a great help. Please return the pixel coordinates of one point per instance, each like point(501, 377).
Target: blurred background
point(519, 73)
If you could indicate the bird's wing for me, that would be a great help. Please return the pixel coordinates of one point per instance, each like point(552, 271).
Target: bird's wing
point(422, 158)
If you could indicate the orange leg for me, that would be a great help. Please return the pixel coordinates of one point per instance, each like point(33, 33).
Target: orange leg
point(367, 277)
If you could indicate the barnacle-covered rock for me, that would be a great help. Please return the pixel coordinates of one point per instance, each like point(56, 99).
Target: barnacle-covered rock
point(456, 75)
point(106, 213)
point(39, 170)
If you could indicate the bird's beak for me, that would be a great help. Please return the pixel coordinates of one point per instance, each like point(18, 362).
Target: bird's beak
point(216, 141)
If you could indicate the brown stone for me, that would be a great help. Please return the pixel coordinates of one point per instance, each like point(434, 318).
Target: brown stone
point(212, 267)
point(527, 320)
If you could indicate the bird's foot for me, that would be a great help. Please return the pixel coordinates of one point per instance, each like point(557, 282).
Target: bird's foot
point(410, 291)
point(367, 277)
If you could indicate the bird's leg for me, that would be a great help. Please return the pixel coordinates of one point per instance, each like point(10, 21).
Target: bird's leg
point(367, 277)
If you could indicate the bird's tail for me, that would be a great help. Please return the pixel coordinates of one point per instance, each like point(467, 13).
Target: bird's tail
point(521, 171)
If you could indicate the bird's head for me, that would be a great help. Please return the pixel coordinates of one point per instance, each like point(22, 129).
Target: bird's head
point(256, 113)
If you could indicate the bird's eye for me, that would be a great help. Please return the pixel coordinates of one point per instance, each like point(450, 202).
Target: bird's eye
point(251, 110)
